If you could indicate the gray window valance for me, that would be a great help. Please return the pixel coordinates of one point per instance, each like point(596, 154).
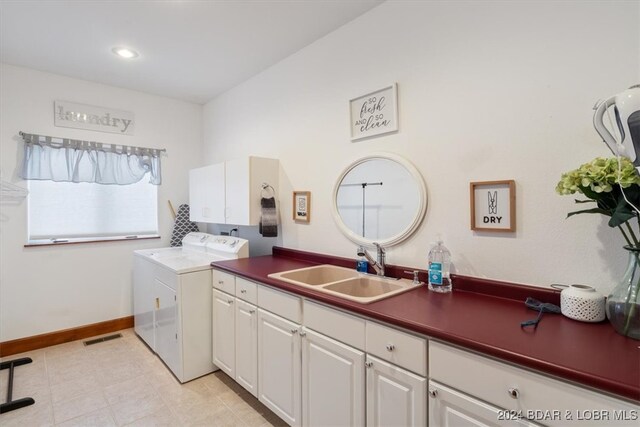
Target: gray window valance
point(69, 160)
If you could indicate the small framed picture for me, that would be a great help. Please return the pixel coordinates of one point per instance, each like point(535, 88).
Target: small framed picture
point(493, 205)
point(375, 113)
point(302, 206)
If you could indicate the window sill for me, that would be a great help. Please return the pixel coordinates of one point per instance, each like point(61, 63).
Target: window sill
point(81, 241)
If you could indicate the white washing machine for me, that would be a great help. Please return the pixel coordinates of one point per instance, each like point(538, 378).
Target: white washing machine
point(172, 300)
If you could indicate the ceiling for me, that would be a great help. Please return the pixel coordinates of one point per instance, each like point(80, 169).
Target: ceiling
point(189, 50)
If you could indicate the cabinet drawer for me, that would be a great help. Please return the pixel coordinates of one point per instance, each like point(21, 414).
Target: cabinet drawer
point(448, 407)
point(335, 324)
point(247, 290)
point(522, 391)
point(224, 281)
point(397, 347)
point(280, 303)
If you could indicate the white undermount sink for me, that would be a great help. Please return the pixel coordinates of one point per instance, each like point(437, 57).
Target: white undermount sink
point(345, 283)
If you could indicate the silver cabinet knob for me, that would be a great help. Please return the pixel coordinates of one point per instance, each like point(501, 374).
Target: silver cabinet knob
point(303, 333)
point(220, 282)
point(433, 392)
point(230, 301)
point(251, 311)
point(391, 347)
point(243, 291)
point(294, 331)
point(368, 364)
point(513, 393)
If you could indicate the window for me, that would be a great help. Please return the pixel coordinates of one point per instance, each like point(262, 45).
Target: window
point(67, 211)
point(85, 191)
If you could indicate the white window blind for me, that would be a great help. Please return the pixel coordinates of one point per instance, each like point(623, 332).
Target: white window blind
point(88, 211)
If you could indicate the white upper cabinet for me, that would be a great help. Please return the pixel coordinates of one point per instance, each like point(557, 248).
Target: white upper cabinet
point(230, 192)
point(238, 191)
point(206, 194)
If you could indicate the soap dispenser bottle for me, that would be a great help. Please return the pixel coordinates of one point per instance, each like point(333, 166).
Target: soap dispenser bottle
point(439, 264)
point(362, 265)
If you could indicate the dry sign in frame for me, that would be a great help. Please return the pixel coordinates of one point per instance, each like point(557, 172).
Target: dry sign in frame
point(374, 113)
point(302, 206)
point(493, 205)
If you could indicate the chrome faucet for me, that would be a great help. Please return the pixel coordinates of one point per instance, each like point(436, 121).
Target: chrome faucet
point(378, 265)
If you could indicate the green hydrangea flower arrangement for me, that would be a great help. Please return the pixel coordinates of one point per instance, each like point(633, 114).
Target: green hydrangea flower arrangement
point(602, 181)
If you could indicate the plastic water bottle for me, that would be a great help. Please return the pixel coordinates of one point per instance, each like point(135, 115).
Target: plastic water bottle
point(439, 264)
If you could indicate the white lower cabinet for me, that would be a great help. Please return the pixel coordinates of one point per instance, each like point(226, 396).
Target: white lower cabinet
point(279, 366)
point(224, 355)
point(395, 397)
point(247, 346)
point(333, 382)
point(514, 393)
point(235, 339)
point(450, 408)
point(341, 370)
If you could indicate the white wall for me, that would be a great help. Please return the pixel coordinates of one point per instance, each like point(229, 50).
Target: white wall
point(52, 288)
point(487, 91)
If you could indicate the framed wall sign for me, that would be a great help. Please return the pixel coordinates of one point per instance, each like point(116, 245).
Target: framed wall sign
point(493, 205)
point(80, 116)
point(302, 206)
point(374, 113)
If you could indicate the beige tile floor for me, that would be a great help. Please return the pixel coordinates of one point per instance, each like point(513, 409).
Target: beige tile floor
point(122, 383)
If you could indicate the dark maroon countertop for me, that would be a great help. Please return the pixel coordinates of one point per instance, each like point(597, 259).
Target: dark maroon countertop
point(484, 316)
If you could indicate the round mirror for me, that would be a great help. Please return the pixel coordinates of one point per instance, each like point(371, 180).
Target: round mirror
point(380, 198)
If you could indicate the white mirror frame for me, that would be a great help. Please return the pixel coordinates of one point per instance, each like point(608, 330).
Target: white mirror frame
point(417, 219)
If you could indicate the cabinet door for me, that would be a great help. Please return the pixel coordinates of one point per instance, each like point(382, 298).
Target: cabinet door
point(144, 300)
point(237, 177)
point(547, 400)
point(450, 408)
point(333, 382)
point(167, 325)
point(223, 328)
point(206, 193)
point(247, 346)
point(395, 397)
point(279, 366)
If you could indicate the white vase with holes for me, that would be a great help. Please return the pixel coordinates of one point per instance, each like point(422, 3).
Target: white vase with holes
point(583, 303)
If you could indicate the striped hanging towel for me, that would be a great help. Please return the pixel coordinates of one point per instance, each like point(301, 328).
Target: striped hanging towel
point(268, 218)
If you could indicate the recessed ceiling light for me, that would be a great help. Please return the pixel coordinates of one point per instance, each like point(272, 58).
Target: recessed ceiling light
point(123, 52)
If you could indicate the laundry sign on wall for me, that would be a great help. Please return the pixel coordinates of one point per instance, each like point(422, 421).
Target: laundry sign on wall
point(79, 116)
point(493, 205)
